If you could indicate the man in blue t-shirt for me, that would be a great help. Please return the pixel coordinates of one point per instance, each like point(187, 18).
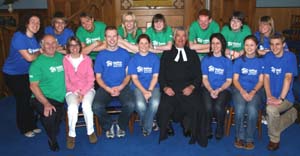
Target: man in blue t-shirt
point(280, 69)
point(111, 75)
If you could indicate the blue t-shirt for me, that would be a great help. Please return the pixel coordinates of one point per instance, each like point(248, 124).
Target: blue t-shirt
point(276, 68)
point(61, 38)
point(265, 42)
point(217, 69)
point(249, 70)
point(144, 67)
point(112, 66)
point(15, 64)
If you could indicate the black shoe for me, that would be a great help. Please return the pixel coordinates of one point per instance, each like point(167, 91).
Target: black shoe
point(219, 133)
point(186, 133)
point(219, 137)
point(210, 136)
point(170, 129)
point(192, 141)
point(53, 146)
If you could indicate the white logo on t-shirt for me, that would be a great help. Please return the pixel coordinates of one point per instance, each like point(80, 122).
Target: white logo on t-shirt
point(217, 71)
point(276, 71)
point(109, 63)
point(139, 69)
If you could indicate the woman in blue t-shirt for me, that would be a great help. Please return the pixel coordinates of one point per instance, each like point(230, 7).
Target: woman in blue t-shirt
point(247, 81)
point(216, 78)
point(144, 69)
point(266, 29)
point(24, 49)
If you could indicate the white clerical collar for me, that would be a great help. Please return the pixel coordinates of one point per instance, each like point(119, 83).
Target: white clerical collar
point(180, 51)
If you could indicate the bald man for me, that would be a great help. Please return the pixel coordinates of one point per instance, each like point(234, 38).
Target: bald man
point(47, 83)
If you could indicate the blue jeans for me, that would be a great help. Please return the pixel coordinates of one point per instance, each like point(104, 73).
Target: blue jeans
point(102, 100)
point(242, 107)
point(146, 110)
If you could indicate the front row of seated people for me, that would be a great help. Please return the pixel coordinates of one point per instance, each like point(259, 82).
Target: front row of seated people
point(182, 98)
point(113, 69)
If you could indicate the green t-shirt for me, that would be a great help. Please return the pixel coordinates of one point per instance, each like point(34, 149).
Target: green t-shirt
point(129, 37)
point(196, 33)
point(160, 38)
point(49, 72)
point(235, 40)
point(202, 36)
point(90, 37)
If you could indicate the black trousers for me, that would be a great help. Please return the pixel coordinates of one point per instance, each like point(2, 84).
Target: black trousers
point(216, 108)
point(19, 86)
point(50, 123)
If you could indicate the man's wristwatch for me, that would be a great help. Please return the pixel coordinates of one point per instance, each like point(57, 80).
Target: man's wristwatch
point(282, 99)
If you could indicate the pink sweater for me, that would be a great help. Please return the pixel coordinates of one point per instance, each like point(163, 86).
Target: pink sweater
point(83, 79)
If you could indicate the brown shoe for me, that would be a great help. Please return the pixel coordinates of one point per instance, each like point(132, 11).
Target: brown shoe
point(239, 143)
point(249, 146)
point(70, 142)
point(93, 138)
point(273, 146)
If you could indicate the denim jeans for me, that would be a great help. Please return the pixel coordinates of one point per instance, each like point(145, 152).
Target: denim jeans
point(242, 107)
point(102, 100)
point(146, 110)
point(216, 107)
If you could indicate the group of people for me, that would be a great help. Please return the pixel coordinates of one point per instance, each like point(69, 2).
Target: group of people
point(180, 76)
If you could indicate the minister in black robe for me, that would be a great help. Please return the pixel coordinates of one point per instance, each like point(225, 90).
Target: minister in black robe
point(180, 79)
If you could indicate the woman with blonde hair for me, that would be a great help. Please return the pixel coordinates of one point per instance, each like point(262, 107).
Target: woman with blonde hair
point(129, 32)
point(266, 28)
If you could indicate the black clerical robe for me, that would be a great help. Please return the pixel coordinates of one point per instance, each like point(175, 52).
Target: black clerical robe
point(179, 107)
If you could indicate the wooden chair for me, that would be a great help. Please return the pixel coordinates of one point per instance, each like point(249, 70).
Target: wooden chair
point(81, 122)
point(114, 108)
point(230, 121)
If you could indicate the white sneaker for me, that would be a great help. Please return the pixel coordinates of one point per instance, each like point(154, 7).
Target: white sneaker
point(29, 134)
point(120, 132)
point(37, 130)
point(264, 120)
point(155, 126)
point(110, 133)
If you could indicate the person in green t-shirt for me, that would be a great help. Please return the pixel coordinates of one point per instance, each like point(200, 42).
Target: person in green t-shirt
point(91, 35)
point(47, 83)
point(200, 32)
point(160, 34)
point(235, 32)
point(129, 32)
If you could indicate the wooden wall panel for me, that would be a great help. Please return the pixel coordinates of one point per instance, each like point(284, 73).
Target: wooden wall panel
point(281, 16)
point(181, 15)
point(222, 10)
point(102, 10)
